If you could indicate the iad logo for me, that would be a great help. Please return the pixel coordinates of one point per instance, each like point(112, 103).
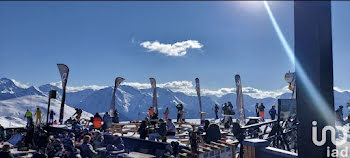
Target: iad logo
point(333, 133)
point(334, 152)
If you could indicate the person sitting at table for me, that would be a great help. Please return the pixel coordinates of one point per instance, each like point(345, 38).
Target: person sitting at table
point(107, 121)
point(28, 139)
point(87, 151)
point(2, 133)
point(68, 141)
point(160, 132)
point(171, 128)
point(143, 130)
point(213, 133)
point(70, 152)
point(97, 140)
point(5, 152)
point(97, 121)
point(118, 144)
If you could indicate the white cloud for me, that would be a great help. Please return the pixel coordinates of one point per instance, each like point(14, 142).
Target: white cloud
point(93, 87)
point(176, 49)
point(188, 88)
point(18, 84)
point(256, 93)
point(176, 86)
point(78, 88)
point(340, 90)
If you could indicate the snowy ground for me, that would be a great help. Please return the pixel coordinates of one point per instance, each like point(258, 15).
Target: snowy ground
point(12, 110)
point(344, 149)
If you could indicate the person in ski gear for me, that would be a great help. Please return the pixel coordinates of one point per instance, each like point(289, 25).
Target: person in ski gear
point(262, 111)
point(28, 115)
point(97, 121)
point(143, 131)
point(55, 122)
point(224, 108)
point(273, 112)
point(116, 116)
point(171, 128)
point(257, 109)
point(78, 112)
point(51, 116)
point(107, 121)
point(339, 114)
point(179, 108)
point(150, 112)
point(38, 116)
point(166, 113)
point(216, 108)
point(230, 105)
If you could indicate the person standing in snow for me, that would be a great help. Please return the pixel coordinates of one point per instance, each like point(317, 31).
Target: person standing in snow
point(150, 112)
point(38, 116)
point(216, 108)
point(179, 108)
point(107, 121)
point(78, 112)
point(51, 117)
point(97, 121)
point(257, 109)
point(28, 115)
point(273, 112)
point(262, 111)
point(166, 113)
point(339, 114)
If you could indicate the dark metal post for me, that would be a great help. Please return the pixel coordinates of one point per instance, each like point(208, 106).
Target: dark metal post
point(48, 111)
point(313, 52)
point(52, 94)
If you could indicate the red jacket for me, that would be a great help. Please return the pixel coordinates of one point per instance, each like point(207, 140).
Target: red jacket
point(97, 122)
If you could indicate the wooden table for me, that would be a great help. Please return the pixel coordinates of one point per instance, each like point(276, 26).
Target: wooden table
point(17, 153)
point(118, 127)
point(192, 125)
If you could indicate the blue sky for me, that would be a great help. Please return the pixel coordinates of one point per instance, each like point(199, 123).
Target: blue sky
point(102, 40)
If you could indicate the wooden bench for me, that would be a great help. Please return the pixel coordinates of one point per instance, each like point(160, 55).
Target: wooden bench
point(205, 148)
point(212, 146)
point(184, 141)
point(181, 136)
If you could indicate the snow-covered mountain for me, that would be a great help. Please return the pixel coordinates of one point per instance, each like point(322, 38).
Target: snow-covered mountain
point(133, 103)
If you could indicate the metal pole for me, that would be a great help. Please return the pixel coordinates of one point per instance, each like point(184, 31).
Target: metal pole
point(48, 111)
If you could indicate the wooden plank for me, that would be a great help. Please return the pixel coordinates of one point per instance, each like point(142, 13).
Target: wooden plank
point(182, 154)
point(218, 144)
point(205, 148)
point(212, 146)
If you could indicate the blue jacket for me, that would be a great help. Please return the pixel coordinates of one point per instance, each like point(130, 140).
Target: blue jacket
point(272, 112)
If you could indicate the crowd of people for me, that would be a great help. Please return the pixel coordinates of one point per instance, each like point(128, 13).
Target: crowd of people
point(260, 111)
point(74, 143)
